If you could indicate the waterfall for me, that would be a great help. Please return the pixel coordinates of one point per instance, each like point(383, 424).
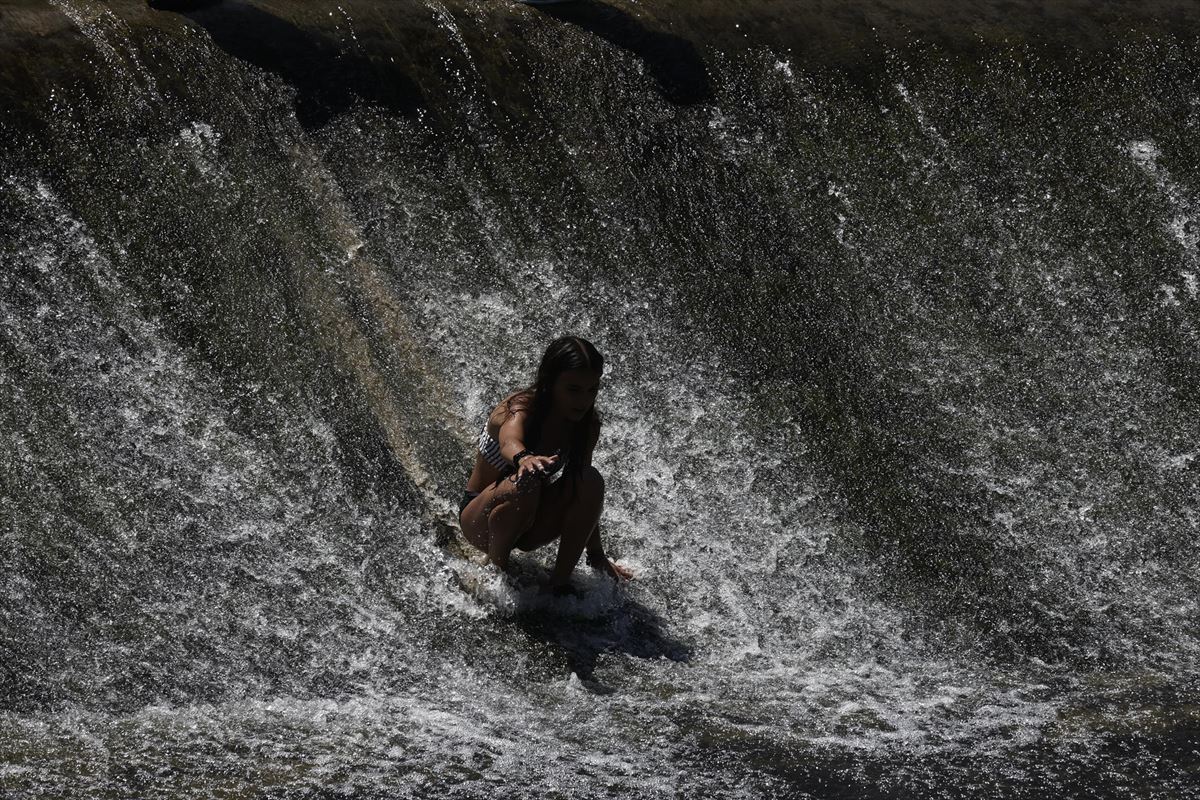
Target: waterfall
point(901, 400)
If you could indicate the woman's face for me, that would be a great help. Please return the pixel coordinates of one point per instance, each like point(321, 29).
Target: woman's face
point(574, 392)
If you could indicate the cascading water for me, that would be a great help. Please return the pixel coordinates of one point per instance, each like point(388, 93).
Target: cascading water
point(901, 407)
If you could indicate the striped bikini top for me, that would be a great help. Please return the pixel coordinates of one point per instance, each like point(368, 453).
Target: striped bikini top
point(490, 449)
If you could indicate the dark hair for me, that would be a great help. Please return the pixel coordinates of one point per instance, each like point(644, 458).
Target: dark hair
point(563, 354)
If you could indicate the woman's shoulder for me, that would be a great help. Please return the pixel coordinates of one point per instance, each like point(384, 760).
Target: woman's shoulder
point(502, 410)
point(513, 394)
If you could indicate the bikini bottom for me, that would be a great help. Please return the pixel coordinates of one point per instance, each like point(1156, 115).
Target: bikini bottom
point(467, 497)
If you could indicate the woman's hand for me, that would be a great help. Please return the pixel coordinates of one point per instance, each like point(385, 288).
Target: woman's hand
point(611, 569)
point(535, 465)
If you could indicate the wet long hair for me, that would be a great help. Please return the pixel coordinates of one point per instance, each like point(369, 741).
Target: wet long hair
point(563, 354)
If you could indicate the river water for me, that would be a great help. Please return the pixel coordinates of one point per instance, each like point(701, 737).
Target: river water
point(901, 407)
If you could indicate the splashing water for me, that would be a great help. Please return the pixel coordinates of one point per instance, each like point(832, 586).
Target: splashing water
point(899, 401)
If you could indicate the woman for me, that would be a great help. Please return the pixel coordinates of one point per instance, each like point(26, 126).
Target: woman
point(533, 479)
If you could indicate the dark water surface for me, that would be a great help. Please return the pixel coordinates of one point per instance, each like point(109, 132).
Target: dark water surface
point(902, 404)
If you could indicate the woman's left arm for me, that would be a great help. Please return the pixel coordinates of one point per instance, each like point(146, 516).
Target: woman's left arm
point(595, 550)
point(598, 560)
point(596, 556)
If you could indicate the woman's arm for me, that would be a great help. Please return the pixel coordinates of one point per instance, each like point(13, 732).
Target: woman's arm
point(511, 438)
point(511, 435)
point(595, 549)
point(596, 557)
point(598, 560)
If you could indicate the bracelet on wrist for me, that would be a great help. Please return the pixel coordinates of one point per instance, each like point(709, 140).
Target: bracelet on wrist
point(516, 459)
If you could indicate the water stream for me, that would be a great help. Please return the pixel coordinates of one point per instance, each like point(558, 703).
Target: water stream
point(901, 409)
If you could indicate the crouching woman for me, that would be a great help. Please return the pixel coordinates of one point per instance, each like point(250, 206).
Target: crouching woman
point(533, 481)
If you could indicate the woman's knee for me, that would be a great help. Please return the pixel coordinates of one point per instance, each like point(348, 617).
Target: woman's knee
point(529, 486)
point(591, 483)
point(525, 495)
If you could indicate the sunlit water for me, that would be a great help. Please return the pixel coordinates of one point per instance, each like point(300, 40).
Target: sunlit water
point(900, 440)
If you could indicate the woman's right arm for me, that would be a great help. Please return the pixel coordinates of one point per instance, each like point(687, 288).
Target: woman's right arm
point(512, 441)
point(512, 435)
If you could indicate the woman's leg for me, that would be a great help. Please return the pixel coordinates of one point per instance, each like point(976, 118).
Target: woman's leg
point(503, 511)
point(573, 518)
